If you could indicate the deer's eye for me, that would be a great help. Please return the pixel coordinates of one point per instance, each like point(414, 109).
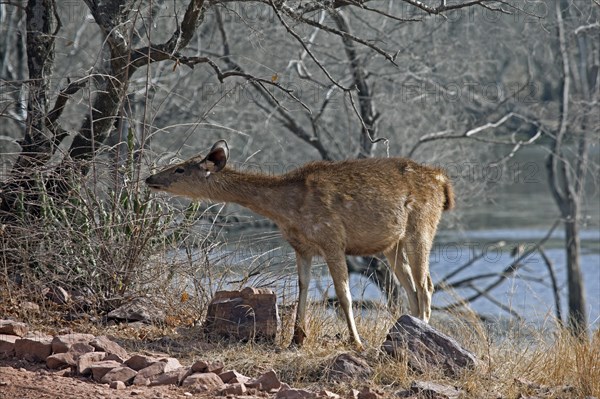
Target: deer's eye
point(179, 170)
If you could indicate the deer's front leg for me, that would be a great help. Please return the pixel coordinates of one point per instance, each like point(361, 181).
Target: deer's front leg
point(303, 262)
point(339, 273)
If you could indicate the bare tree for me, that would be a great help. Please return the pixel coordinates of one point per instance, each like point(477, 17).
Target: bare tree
point(568, 159)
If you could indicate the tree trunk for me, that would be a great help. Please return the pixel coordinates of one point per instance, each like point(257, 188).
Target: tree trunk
point(566, 183)
point(36, 146)
point(577, 307)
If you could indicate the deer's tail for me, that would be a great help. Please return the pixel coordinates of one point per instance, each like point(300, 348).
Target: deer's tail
point(449, 195)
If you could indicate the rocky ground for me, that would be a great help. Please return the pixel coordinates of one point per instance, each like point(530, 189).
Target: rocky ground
point(24, 380)
point(77, 365)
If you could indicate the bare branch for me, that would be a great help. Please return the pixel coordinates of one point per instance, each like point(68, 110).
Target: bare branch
point(486, 295)
point(473, 132)
point(504, 274)
point(338, 32)
point(585, 28)
point(61, 100)
point(555, 288)
point(180, 38)
point(305, 46)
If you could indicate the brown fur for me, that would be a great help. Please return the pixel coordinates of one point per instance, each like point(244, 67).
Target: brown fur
point(333, 209)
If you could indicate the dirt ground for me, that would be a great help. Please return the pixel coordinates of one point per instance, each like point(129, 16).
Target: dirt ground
point(24, 380)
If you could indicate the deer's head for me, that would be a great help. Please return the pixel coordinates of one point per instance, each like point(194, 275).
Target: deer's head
point(190, 177)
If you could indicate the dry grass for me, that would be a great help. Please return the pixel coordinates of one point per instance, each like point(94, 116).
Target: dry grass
point(516, 362)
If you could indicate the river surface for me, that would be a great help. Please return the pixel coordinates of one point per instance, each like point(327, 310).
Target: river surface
point(526, 295)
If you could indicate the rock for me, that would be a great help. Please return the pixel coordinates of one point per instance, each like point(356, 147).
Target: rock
point(233, 377)
point(243, 315)
point(80, 348)
point(11, 327)
point(425, 347)
point(267, 382)
point(7, 345)
point(203, 366)
point(174, 377)
point(203, 382)
point(60, 361)
point(346, 367)
point(86, 360)
point(139, 309)
point(171, 363)
point(292, 393)
point(104, 344)
point(114, 357)
point(62, 343)
point(430, 389)
point(118, 385)
point(138, 362)
point(99, 369)
point(34, 347)
point(235, 389)
point(144, 375)
point(123, 374)
point(57, 295)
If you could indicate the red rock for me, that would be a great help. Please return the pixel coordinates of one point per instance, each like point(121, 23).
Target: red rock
point(243, 315)
point(171, 378)
point(60, 360)
point(62, 343)
point(138, 362)
point(123, 374)
point(346, 366)
point(233, 377)
point(79, 348)
point(203, 382)
point(235, 389)
point(267, 382)
point(34, 347)
point(7, 345)
point(203, 366)
point(144, 375)
point(99, 369)
point(86, 360)
point(104, 344)
point(11, 327)
point(425, 348)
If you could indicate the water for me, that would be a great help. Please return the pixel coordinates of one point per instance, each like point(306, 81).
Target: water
point(527, 293)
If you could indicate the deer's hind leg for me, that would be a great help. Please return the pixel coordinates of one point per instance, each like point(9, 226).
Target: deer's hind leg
point(417, 249)
point(398, 261)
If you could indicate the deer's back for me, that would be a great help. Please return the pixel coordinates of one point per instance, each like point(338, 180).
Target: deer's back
point(367, 204)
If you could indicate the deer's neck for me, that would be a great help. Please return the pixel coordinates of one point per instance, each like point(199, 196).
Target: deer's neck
point(272, 196)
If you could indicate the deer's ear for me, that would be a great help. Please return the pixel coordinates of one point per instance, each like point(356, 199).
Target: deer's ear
point(217, 157)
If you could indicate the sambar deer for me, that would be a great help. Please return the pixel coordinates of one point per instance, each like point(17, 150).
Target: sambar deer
point(334, 209)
